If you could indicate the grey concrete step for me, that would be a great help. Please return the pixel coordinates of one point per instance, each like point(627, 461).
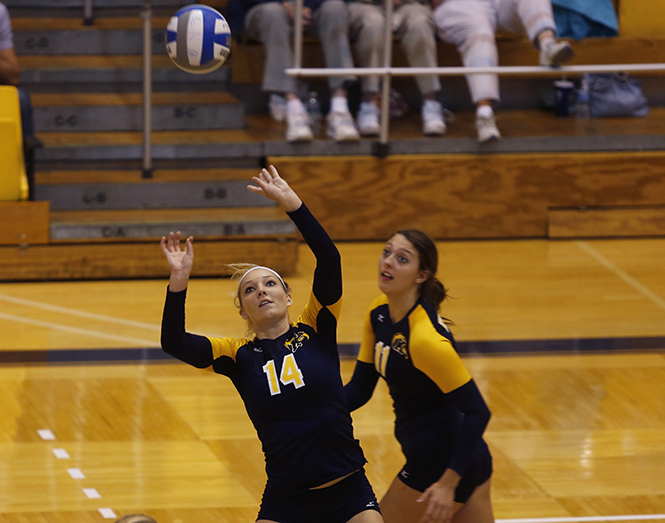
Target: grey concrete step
point(130, 118)
point(150, 195)
point(115, 230)
point(93, 153)
point(200, 152)
point(71, 112)
point(110, 77)
point(86, 41)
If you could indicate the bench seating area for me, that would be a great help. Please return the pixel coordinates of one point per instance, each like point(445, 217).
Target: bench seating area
point(248, 57)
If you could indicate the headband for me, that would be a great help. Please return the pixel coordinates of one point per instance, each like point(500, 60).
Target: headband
point(262, 267)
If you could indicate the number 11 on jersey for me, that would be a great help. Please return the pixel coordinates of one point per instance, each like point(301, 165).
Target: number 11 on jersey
point(381, 353)
point(291, 373)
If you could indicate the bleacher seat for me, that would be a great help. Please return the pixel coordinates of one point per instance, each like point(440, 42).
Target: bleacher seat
point(13, 179)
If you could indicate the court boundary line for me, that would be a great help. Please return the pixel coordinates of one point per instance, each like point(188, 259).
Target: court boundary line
point(620, 273)
point(79, 313)
point(77, 330)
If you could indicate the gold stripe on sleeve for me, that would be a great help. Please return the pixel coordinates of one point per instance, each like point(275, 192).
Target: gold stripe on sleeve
point(311, 311)
point(226, 347)
point(434, 355)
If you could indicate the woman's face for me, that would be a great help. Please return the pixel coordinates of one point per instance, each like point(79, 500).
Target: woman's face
point(399, 266)
point(263, 298)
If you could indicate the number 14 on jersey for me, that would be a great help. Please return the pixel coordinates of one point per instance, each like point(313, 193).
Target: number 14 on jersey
point(291, 374)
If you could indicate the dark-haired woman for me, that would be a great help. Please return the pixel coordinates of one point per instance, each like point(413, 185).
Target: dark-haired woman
point(287, 374)
point(440, 415)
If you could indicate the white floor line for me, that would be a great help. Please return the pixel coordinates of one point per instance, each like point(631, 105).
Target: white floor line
point(635, 284)
point(81, 314)
point(85, 332)
point(634, 517)
point(107, 513)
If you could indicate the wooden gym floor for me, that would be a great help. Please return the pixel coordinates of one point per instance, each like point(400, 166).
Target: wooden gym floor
point(566, 339)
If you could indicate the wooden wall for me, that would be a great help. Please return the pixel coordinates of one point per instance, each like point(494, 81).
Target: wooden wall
point(24, 223)
point(469, 196)
point(136, 260)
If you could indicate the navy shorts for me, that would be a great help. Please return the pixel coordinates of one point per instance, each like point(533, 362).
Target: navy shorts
point(419, 474)
point(335, 504)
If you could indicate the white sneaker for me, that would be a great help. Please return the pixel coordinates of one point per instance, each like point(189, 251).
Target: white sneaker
point(433, 122)
point(368, 119)
point(277, 107)
point(341, 127)
point(487, 129)
point(297, 127)
point(555, 53)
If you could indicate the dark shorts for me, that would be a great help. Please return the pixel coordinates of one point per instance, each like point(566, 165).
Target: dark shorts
point(419, 474)
point(335, 504)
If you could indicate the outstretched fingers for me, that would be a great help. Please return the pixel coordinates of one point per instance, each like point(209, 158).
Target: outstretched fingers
point(167, 244)
point(273, 173)
point(171, 243)
point(176, 241)
point(189, 247)
point(264, 180)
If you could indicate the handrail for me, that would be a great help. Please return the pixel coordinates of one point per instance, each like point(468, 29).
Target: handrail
point(297, 44)
point(147, 89)
point(456, 71)
point(385, 91)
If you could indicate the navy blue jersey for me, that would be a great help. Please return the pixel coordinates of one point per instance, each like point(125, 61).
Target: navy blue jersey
point(439, 412)
point(291, 386)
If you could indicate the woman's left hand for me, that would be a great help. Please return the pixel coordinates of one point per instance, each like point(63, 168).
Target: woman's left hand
point(440, 501)
point(272, 186)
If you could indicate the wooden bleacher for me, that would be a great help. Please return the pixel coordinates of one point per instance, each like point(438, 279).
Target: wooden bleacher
point(548, 177)
point(102, 243)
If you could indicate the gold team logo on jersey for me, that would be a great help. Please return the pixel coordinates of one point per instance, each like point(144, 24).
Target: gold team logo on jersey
point(297, 341)
point(399, 344)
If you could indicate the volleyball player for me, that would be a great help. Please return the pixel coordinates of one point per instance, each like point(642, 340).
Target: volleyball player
point(440, 415)
point(288, 375)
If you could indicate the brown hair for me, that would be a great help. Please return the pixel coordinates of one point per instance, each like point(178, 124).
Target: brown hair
point(431, 290)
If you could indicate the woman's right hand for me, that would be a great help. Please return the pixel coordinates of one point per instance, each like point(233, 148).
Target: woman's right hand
point(271, 185)
point(180, 261)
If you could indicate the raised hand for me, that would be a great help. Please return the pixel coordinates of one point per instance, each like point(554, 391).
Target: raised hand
point(272, 186)
point(180, 261)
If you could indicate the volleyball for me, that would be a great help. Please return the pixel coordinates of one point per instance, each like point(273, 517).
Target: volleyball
point(198, 39)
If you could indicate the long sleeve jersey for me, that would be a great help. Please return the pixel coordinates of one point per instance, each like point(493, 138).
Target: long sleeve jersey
point(291, 386)
point(438, 408)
